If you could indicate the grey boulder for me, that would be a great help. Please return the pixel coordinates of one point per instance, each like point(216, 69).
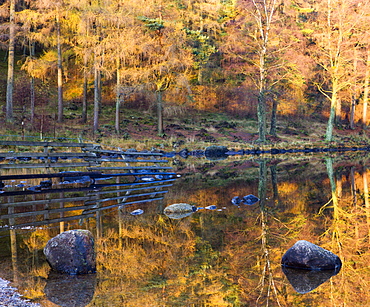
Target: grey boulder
point(72, 252)
point(309, 256)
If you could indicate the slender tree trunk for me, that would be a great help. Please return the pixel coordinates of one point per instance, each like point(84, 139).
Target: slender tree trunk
point(338, 112)
point(10, 78)
point(32, 87)
point(261, 115)
point(96, 97)
point(84, 97)
point(352, 112)
point(354, 91)
point(366, 90)
point(273, 118)
point(333, 105)
point(160, 112)
point(118, 100)
point(60, 72)
point(200, 75)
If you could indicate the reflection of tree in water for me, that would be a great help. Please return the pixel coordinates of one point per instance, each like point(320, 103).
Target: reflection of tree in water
point(165, 259)
point(230, 258)
point(267, 285)
point(348, 233)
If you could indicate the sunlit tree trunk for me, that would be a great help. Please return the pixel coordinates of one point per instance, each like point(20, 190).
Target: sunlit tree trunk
point(32, 87)
point(84, 95)
point(97, 84)
point(118, 99)
point(160, 112)
point(10, 77)
point(60, 71)
point(338, 112)
point(352, 112)
point(354, 91)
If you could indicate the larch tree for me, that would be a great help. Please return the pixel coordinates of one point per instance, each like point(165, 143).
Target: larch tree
point(10, 77)
point(166, 62)
point(45, 19)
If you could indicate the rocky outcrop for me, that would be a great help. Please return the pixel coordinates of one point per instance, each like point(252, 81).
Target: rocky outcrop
point(309, 256)
point(72, 252)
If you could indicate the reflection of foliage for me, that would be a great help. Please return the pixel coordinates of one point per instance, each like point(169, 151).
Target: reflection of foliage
point(219, 258)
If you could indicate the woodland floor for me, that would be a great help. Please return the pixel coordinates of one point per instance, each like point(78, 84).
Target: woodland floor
point(191, 129)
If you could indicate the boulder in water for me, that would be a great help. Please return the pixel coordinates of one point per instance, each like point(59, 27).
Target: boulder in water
point(309, 256)
point(72, 252)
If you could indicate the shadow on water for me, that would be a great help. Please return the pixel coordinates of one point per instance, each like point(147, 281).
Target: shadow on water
point(226, 255)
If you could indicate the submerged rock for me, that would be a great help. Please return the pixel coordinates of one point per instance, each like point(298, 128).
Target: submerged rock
point(180, 210)
point(309, 256)
point(72, 252)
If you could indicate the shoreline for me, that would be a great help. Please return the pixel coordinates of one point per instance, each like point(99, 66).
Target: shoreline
point(10, 297)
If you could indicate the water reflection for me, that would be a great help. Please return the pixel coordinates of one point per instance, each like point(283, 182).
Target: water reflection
point(70, 290)
point(216, 258)
point(304, 281)
point(76, 195)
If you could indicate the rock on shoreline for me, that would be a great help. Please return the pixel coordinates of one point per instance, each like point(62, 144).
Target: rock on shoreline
point(10, 297)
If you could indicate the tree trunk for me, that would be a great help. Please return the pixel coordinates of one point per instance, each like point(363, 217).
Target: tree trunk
point(273, 118)
point(96, 98)
point(118, 100)
point(84, 98)
point(333, 105)
point(32, 87)
point(338, 112)
point(160, 112)
point(352, 112)
point(10, 78)
point(60, 72)
point(261, 115)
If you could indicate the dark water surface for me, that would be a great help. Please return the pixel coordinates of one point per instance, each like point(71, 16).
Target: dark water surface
point(227, 255)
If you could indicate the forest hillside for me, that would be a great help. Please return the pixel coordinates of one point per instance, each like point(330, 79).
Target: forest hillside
point(176, 72)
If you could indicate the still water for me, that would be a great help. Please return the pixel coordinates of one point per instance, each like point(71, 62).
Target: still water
point(226, 255)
